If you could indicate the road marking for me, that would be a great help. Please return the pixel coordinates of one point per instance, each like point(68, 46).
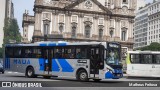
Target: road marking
point(14, 72)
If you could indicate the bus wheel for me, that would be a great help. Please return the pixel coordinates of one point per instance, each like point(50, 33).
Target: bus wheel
point(82, 75)
point(30, 72)
point(96, 80)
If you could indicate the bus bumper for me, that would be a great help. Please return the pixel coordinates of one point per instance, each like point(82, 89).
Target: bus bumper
point(110, 75)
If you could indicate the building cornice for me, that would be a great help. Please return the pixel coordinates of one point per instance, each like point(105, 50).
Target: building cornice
point(81, 11)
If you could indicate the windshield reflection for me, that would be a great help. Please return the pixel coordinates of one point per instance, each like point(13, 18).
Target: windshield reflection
point(112, 56)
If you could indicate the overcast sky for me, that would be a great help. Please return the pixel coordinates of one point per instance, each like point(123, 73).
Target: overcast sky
point(21, 5)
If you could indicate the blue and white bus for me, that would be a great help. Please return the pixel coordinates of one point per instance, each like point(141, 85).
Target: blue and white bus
point(83, 60)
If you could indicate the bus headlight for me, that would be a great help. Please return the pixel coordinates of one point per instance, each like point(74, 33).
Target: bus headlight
point(109, 70)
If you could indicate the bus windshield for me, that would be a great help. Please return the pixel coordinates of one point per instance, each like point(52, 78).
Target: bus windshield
point(113, 55)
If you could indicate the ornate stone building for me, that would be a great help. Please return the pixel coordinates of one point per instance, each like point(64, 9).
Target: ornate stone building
point(82, 20)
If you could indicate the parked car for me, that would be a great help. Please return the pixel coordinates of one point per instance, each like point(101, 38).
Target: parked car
point(1, 68)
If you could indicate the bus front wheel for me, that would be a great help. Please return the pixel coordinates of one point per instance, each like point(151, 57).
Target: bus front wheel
point(30, 72)
point(82, 75)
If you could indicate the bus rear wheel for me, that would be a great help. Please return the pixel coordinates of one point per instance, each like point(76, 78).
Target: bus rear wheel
point(30, 72)
point(82, 75)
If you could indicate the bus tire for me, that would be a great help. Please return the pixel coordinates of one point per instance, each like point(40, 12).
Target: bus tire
point(82, 75)
point(30, 72)
point(96, 80)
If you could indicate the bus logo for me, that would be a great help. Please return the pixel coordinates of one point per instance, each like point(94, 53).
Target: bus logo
point(6, 84)
point(21, 61)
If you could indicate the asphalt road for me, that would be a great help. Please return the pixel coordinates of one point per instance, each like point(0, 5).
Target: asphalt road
point(66, 83)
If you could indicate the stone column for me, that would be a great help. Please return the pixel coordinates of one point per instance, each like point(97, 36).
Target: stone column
point(25, 32)
point(130, 30)
point(117, 29)
point(107, 27)
point(95, 29)
point(38, 21)
point(54, 22)
point(80, 26)
point(69, 26)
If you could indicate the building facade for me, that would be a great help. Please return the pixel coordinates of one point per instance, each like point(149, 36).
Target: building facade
point(141, 28)
point(82, 20)
point(154, 23)
point(2, 16)
point(6, 11)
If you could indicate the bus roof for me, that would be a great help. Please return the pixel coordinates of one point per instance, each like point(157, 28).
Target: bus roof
point(59, 43)
point(144, 52)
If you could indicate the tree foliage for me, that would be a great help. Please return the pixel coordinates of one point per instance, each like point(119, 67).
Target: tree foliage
point(152, 47)
point(11, 32)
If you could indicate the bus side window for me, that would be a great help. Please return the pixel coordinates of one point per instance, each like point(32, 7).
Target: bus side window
point(9, 52)
point(56, 53)
point(135, 58)
point(17, 52)
point(78, 53)
point(157, 59)
point(147, 59)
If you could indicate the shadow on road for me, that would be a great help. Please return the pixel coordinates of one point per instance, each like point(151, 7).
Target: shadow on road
point(143, 78)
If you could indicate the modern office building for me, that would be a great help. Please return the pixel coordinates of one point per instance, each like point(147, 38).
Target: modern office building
point(141, 28)
point(2, 16)
point(147, 25)
point(154, 23)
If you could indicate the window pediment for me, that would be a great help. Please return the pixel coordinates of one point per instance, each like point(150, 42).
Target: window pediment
point(88, 22)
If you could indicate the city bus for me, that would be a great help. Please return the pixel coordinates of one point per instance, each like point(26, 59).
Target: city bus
point(143, 64)
point(83, 60)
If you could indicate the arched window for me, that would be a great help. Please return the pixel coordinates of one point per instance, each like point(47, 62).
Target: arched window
point(111, 33)
point(46, 29)
point(125, 1)
point(87, 31)
point(73, 32)
point(100, 34)
point(123, 35)
point(61, 27)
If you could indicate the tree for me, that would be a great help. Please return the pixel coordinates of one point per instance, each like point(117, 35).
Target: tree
point(152, 47)
point(11, 32)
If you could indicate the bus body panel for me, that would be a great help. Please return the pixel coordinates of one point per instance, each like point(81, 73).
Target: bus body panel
point(21, 64)
point(141, 69)
point(60, 66)
point(144, 70)
point(68, 67)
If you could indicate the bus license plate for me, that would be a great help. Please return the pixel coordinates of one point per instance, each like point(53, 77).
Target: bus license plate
point(118, 75)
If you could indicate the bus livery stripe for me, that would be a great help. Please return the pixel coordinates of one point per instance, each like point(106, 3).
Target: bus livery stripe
point(52, 44)
point(128, 59)
point(55, 66)
point(62, 44)
point(43, 44)
point(66, 67)
point(41, 64)
point(6, 63)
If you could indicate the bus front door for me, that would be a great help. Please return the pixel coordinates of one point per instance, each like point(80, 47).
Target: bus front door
point(48, 61)
point(94, 60)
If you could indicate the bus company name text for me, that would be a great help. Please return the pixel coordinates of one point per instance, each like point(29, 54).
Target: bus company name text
point(21, 61)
